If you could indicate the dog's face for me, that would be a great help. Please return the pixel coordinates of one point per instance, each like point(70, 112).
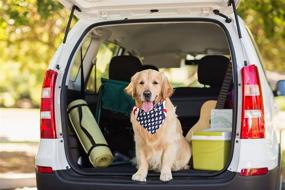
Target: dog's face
point(149, 87)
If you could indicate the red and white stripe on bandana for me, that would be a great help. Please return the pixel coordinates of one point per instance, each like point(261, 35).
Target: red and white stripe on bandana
point(153, 119)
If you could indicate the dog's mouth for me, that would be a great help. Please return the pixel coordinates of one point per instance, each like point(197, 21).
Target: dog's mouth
point(147, 105)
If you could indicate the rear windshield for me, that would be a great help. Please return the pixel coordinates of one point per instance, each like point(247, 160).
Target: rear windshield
point(172, 48)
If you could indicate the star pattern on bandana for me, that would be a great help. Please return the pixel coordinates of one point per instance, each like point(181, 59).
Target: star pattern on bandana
point(153, 119)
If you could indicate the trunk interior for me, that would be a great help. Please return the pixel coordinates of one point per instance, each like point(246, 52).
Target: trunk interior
point(193, 55)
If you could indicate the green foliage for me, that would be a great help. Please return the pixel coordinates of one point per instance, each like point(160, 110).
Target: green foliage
point(266, 20)
point(29, 35)
point(47, 8)
point(31, 30)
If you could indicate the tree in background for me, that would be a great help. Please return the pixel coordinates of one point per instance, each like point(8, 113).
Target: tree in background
point(266, 20)
point(31, 30)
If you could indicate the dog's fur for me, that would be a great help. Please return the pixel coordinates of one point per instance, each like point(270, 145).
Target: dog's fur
point(166, 150)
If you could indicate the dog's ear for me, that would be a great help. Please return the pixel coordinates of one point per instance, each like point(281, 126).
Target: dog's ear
point(130, 89)
point(166, 88)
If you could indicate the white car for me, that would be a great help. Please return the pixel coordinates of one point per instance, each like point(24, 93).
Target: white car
point(193, 42)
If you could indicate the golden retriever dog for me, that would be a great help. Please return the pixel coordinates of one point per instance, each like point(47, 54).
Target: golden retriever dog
point(165, 149)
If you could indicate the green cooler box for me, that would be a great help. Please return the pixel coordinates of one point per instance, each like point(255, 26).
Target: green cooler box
point(210, 150)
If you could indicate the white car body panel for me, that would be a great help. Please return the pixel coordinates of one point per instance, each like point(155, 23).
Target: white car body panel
point(51, 153)
point(257, 153)
point(113, 9)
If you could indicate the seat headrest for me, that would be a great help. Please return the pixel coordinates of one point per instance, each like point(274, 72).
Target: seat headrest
point(212, 70)
point(122, 68)
point(145, 67)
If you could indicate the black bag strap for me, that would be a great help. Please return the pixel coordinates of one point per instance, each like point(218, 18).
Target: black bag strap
point(99, 103)
point(225, 88)
point(75, 106)
point(92, 147)
point(82, 85)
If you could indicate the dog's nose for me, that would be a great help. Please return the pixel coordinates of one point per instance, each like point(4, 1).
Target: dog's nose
point(147, 94)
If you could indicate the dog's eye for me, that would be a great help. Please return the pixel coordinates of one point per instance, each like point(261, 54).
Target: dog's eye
point(142, 82)
point(154, 82)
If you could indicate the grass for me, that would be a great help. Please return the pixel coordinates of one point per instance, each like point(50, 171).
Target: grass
point(17, 157)
point(16, 162)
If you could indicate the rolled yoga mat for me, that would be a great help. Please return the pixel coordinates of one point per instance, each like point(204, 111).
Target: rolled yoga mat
point(89, 134)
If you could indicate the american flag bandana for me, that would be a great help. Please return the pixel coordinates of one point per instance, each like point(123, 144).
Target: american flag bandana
point(153, 119)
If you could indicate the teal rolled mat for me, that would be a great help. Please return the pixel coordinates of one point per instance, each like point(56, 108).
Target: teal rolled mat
point(89, 134)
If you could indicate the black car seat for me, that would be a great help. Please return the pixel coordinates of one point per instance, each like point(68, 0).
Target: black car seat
point(122, 68)
point(145, 67)
point(114, 105)
point(211, 72)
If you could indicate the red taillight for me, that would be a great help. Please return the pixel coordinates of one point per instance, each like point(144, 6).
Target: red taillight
point(48, 130)
point(44, 170)
point(253, 171)
point(252, 124)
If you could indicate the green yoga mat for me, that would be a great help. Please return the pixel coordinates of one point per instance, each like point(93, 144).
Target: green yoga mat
point(89, 134)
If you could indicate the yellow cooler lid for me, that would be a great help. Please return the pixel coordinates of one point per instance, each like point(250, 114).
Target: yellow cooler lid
point(212, 135)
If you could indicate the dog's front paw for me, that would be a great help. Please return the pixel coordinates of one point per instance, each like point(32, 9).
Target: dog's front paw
point(167, 176)
point(139, 176)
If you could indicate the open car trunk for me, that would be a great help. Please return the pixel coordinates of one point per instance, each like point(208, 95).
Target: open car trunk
point(193, 54)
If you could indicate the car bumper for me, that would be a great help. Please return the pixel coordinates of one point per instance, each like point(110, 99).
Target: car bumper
point(63, 180)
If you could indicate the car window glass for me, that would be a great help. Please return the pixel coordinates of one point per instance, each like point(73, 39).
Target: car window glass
point(100, 69)
point(81, 52)
point(186, 75)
